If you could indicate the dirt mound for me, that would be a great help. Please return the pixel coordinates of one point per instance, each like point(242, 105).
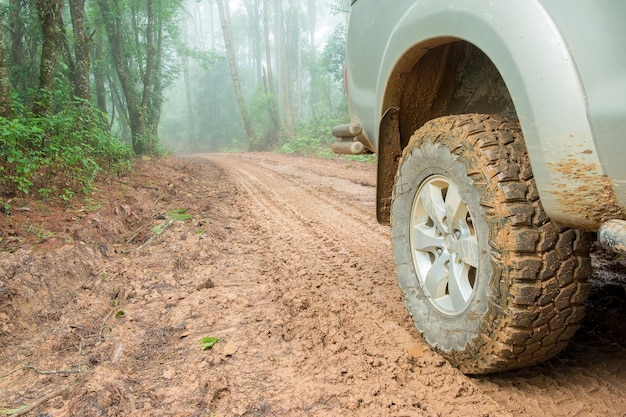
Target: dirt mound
point(67, 275)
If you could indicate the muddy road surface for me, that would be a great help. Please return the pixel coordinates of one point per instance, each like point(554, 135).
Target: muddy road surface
point(103, 307)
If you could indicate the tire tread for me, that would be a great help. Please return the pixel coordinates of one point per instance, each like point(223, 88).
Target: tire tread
point(537, 304)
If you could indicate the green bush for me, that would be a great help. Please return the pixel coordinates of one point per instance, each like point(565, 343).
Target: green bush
point(18, 160)
point(58, 156)
point(312, 138)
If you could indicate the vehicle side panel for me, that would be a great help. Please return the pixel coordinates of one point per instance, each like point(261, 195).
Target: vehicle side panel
point(530, 53)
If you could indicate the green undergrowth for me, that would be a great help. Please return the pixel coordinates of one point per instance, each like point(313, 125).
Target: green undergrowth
point(57, 156)
point(314, 138)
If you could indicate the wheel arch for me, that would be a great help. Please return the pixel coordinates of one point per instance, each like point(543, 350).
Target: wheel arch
point(520, 65)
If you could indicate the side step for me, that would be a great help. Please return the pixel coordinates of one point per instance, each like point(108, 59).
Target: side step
point(346, 145)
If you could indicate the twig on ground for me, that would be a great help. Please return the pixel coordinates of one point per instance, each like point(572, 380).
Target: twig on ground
point(134, 234)
point(78, 370)
point(13, 371)
point(50, 372)
point(55, 371)
point(45, 399)
point(154, 204)
point(104, 321)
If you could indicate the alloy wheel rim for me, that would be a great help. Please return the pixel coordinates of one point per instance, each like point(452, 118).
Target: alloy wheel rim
point(444, 246)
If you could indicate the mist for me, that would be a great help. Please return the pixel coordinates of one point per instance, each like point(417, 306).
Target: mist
point(255, 75)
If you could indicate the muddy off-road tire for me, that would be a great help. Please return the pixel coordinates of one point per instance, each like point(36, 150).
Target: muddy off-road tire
point(490, 281)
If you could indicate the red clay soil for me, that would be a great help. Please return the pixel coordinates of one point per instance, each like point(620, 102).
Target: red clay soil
point(103, 305)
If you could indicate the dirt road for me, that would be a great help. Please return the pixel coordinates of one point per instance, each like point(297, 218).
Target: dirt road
point(283, 261)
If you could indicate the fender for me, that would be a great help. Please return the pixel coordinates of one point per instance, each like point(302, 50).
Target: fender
point(526, 47)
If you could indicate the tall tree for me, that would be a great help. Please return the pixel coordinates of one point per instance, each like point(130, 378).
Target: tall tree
point(136, 44)
point(6, 104)
point(155, 101)
point(191, 122)
point(17, 59)
point(151, 54)
point(312, 28)
point(82, 87)
point(269, 74)
point(253, 13)
point(99, 73)
point(112, 14)
point(49, 12)
point(232, 63)
point(284, 68)
point(298, 44)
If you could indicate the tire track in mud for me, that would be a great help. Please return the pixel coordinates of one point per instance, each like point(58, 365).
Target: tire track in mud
point(582, 381)
point(322, 216)
point(312, 223)
point(340, 302)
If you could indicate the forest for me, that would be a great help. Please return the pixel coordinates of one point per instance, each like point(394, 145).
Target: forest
point(86, 85)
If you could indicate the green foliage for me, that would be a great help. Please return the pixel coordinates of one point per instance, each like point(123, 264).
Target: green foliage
point(260, 110)
point(368, 157)
point(91, 205)
point(313, 138)
point(148, 145)
point(60, 155)
point(158, 229)
point(206, 59)
point(334, 55)
point(208, 342)
point(18, 162)
point(40, 231)
point(179, 214)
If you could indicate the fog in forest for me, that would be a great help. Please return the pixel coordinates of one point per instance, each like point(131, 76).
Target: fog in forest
point(86, 85)
point(256, 75)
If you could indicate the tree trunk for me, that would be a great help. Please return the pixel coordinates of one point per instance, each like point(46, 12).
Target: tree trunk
point(6, 104)
point(299, 70)
point(98, 72)
point(283, 69)
point(17, 59)
point(118, 108)
point(273, 110)
point(113, 29)
point(191, 124)
point(212, 24)
point(82, 88)
point(253, 10)
point(49, 12)
point(230, 51)
point(66, 52)
point(197, 25)
point(156, 101)
point(268, 48)
point(150, 55)
point(146, 100)
point(314, 95)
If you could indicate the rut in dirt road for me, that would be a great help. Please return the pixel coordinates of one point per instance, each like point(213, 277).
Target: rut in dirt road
point(282, 259)
point(329, 223)
point(351, 345)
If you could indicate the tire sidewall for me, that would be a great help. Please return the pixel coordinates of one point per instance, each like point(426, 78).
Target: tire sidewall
point(445, 333)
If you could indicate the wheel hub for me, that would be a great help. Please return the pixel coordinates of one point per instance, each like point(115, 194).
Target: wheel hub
point(444, 245)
